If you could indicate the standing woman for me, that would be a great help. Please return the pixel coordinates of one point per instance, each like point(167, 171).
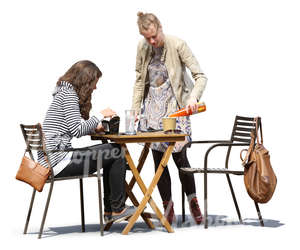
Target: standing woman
point(162, 86)
point(69, 116)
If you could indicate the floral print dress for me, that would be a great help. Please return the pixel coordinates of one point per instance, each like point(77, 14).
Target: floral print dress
point(161, 102)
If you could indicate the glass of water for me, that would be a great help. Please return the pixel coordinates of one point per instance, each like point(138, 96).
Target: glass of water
point(143, 123)
point(129, 122)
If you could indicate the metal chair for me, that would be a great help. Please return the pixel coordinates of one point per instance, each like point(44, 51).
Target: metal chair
point(34, 139)
point(241, 136)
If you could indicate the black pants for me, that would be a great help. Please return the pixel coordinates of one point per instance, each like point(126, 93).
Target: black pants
point(111, 159)
point(164, 184)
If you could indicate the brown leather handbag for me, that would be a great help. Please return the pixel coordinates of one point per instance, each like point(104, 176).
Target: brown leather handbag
point(33, 173)
point(259, 177)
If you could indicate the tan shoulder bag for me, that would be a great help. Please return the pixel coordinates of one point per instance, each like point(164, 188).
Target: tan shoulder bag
point(259, 177)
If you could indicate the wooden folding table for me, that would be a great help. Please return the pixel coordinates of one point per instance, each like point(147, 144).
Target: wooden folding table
point(147, 139)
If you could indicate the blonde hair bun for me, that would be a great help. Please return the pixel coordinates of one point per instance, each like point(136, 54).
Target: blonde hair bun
point(145, 20)
point(140, 14)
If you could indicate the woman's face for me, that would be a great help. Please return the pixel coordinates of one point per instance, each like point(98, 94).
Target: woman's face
point(154, 36)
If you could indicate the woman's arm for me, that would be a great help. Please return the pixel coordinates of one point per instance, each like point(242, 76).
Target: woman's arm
point(192, 64)
point(76, 125)
point(138, 90)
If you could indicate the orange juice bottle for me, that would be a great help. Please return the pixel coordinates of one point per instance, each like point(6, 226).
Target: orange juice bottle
point(184, 112)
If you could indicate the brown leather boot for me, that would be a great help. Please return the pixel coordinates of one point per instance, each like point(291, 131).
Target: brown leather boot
point(195, 211)
point(169, 211)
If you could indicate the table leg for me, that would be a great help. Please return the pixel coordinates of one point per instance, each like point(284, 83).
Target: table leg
point(149, 191)
point(129, 187)
point(142, 159)
point(136, 203)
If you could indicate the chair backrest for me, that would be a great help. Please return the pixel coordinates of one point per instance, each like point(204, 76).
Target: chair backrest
point(33, 137)
point(241, 132)
point(242, 128)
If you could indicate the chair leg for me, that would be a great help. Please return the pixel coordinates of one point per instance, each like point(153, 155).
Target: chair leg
point(82, 205)
point(205, 201)
point(259, 214)
point(234, 199)
point(29, 211)
point(46, 210)
point(182, 205)
point(100, 206)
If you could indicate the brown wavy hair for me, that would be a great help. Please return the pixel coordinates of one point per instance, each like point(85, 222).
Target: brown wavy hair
point(82, 75)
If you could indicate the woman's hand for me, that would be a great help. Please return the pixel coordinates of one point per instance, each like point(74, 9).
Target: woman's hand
point(192, 104)
point(99, 128)
point(108, 113)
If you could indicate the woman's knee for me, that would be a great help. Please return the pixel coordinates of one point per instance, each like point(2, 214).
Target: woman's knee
point(181, 160)
point(117, 151)
point(108, 151)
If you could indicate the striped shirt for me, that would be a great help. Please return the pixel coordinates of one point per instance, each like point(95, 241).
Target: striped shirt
point(63, 121)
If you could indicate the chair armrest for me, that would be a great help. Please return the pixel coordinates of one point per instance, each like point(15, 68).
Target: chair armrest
point(203, 142)
point(211, 141)
point(66, 150)
point(225, 144)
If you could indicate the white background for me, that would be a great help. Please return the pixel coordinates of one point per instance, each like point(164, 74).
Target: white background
point(248, 49)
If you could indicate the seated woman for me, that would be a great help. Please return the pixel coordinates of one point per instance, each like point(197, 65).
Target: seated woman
point(67, 117)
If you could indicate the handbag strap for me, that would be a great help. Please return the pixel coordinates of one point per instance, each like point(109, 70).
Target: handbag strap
point(258, 126)
point(44, 146)
point(29, 152)
point(249, 150)
point(241, 157)
point(45, 154)
point(259, 138)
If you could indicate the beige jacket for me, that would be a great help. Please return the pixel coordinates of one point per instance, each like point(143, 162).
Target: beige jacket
point(176, 56)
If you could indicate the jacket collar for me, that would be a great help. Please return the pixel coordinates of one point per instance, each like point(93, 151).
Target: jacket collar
point(163, 56)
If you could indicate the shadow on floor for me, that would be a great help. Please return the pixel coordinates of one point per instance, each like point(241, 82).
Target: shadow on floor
point(141, 227)
point(223, 220)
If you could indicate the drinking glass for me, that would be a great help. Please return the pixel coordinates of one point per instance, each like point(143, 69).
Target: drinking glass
point(143, 123)
point(129, 122)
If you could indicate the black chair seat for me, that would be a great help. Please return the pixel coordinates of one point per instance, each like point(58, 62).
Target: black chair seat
point(73, 177)
point(212, 170)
